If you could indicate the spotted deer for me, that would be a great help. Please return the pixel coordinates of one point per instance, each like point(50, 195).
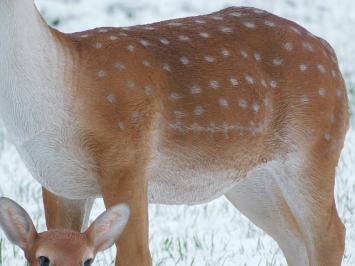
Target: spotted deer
point(240, 103)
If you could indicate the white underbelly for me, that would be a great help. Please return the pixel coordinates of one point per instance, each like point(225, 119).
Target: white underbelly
point(59, 160)
point(176, 181)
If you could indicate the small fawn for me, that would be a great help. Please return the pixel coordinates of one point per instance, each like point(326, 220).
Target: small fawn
point(240, 103)
point(62, 246)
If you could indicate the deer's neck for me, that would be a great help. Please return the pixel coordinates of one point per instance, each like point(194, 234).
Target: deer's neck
point(33, 86)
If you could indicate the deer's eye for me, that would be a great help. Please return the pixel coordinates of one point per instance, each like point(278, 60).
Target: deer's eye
point(88, 262)
point(43, 261)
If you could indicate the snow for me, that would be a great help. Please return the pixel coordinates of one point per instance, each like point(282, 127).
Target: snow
point(214, 233)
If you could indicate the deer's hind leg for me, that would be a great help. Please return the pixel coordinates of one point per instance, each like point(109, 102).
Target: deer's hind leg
point(260, 198)
point(293, 201)
point(308, 187)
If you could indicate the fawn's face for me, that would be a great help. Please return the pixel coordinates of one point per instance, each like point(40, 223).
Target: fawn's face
point(61, 247)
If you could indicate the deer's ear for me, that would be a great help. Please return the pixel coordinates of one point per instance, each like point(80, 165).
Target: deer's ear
point(16, 224)
point(107, 228)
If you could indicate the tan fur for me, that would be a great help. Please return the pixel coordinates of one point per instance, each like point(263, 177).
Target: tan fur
point(276, 108)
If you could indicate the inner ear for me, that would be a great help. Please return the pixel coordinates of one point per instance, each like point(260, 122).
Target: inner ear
point(107, 228)
point(16, 224)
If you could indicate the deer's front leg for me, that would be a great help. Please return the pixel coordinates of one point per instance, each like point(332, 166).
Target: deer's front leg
point(129, 186)
point(66, 213)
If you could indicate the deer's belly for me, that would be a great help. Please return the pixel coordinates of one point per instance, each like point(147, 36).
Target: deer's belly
point(175, 180)
point(59, 160)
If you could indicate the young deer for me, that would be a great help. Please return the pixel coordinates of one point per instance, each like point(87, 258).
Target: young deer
point(240, 103)
point(61, 246)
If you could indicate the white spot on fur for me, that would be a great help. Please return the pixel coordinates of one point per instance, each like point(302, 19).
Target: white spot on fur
point(327, 136)
point(200, 21)
point(130, 48)
point(98, 45)
point(321, 68)
point(243, 103)
point(273, 84)
point(175, 96)
point(304, 99)
point(113, 38)
point(258, 11)
point(270, 23)
point(209, 59)
point(263, 83)
point(145, 43)
point(120, 66)
point(147, 90)
point(179, 114)
point(195, 89)
point(135, 116)
point(296, 30)
point(164, 41)
point(307, 46)
point(204, 34)
point(234, 82)
point(303, 67)
point(257, 57)
point(256, 107)
point(184, 38)
point(288, 46)
point(321, 92)
point(184, 60)
point(236, 14)
point(102, 74)
point(338, 92)
point(225, 52)
point(244, 53)
point(217, 18)
point(277, 61)
point(223, 102)
point(249, 25)
point(249, 79)
point(226, 29)
point(111, 98)
point(130, 84)
point(146, 63)
point(334, 75)
point(214, 84)
point(167, 67)
point(198, 111)
point(120, 125)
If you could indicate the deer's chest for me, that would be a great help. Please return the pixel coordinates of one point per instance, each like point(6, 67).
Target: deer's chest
point(60, 161)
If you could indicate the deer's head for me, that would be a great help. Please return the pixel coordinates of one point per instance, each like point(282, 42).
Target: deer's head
point(61, 246)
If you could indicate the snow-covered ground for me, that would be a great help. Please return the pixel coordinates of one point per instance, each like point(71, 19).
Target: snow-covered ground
point(214, 233)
